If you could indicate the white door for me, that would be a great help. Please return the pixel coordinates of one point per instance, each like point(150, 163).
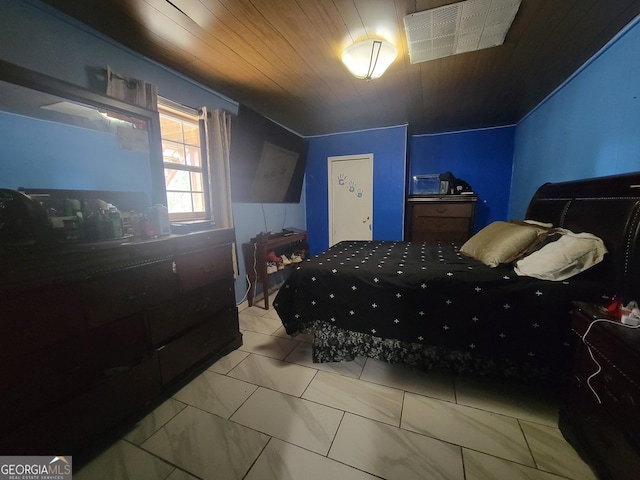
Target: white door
point(350, 198)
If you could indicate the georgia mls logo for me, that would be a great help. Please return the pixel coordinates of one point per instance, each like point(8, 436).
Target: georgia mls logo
point(35, 468)
point(59, 465)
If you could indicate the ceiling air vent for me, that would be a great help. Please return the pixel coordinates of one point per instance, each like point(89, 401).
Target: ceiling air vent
point(458, 28)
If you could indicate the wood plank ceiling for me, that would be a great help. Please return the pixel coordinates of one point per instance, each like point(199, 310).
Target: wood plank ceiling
point(282, 57)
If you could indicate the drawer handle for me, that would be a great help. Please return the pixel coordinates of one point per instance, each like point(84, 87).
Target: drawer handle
point(441, 209)
point(209, 269)
point(136, 295)
point(200, 308)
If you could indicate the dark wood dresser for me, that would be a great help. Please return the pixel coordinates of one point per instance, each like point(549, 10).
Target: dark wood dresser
point(445, 218)
point(601, 414)
point(93, 334)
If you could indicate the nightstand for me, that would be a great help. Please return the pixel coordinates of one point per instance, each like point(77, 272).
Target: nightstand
point(601, 414)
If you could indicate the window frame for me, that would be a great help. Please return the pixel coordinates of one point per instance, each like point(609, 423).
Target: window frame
point(181, 113)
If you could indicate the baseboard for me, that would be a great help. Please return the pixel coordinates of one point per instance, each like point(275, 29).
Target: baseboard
point(258, 299)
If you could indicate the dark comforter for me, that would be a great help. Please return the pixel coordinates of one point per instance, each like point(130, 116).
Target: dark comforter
point(428, 305)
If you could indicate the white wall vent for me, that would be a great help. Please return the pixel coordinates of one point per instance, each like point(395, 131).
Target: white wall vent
point(457, 28)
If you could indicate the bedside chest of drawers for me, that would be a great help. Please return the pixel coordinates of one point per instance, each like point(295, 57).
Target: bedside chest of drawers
point(601, 414)
point(443, 218)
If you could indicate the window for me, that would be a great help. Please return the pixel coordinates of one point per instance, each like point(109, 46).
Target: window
point(184, 165)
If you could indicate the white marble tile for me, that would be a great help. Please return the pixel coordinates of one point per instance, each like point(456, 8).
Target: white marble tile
point(271, 313)
point(487, 432)
point(282, 460)
point(226, 363)
point(292, 419)
point(553, 453)
point(480, 466)
point(123, 461)
point(529, 402)
point(393, 453)
point(267, 345)
point(301, 337)
point(150, 424)
point(301, 355)
point(215, 393)
point(356, 396)
point(178, 474)
point(257, 308)
point(264, 324)
point(277, 375)
point(435, 384)
point(206, 445)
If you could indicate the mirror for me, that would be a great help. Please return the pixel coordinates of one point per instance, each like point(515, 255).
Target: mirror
point(55, 135)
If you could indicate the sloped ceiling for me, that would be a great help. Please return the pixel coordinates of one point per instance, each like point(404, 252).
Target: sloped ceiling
point(282, 57)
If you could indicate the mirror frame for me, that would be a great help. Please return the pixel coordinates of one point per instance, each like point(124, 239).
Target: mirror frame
point(12, 73)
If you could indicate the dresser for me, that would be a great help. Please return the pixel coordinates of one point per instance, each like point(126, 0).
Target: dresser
point(93, 334)
point(601, 412)
point(445, 218)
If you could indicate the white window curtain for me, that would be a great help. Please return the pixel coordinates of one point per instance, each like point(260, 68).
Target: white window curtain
point(217, 127)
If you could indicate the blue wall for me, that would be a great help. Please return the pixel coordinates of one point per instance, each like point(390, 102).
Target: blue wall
point(388, 146)
point(482, 158)
point(589, 127)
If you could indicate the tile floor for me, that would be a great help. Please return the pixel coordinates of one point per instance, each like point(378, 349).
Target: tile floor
point(266, 411)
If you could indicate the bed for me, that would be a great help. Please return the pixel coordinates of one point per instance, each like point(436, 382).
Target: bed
point(434, 306)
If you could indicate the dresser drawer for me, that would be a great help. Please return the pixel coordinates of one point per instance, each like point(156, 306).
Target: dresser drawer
point(69, 425)
point(603, 436)
point(172, 318)
point(439, 225)
point(202, 267)
point(197, 344)
point(37, 379)
point(58, 311)
point(442, 210)
point(430, 230)
point(127, 291)
point(617, 391)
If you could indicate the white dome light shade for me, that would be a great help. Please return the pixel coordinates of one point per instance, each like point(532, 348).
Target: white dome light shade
point(370, 58)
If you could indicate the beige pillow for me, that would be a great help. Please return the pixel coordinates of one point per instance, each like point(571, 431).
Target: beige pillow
point(571, 254)
point(501, 242)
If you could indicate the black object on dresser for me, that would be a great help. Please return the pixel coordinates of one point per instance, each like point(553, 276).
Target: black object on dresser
point(601, 414)
point(94, 334)
point(445, 218)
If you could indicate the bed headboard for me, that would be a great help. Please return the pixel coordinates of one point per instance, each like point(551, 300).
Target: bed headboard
point(608, 207)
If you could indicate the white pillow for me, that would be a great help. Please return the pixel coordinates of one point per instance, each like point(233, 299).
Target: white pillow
point(571, 254)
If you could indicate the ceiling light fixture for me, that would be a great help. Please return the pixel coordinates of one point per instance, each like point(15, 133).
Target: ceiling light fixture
point(369, 59)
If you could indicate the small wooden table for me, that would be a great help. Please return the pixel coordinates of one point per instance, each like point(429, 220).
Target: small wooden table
point(255, 259)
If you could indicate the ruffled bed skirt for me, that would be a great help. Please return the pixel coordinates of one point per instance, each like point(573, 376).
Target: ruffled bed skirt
point(333, 344)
